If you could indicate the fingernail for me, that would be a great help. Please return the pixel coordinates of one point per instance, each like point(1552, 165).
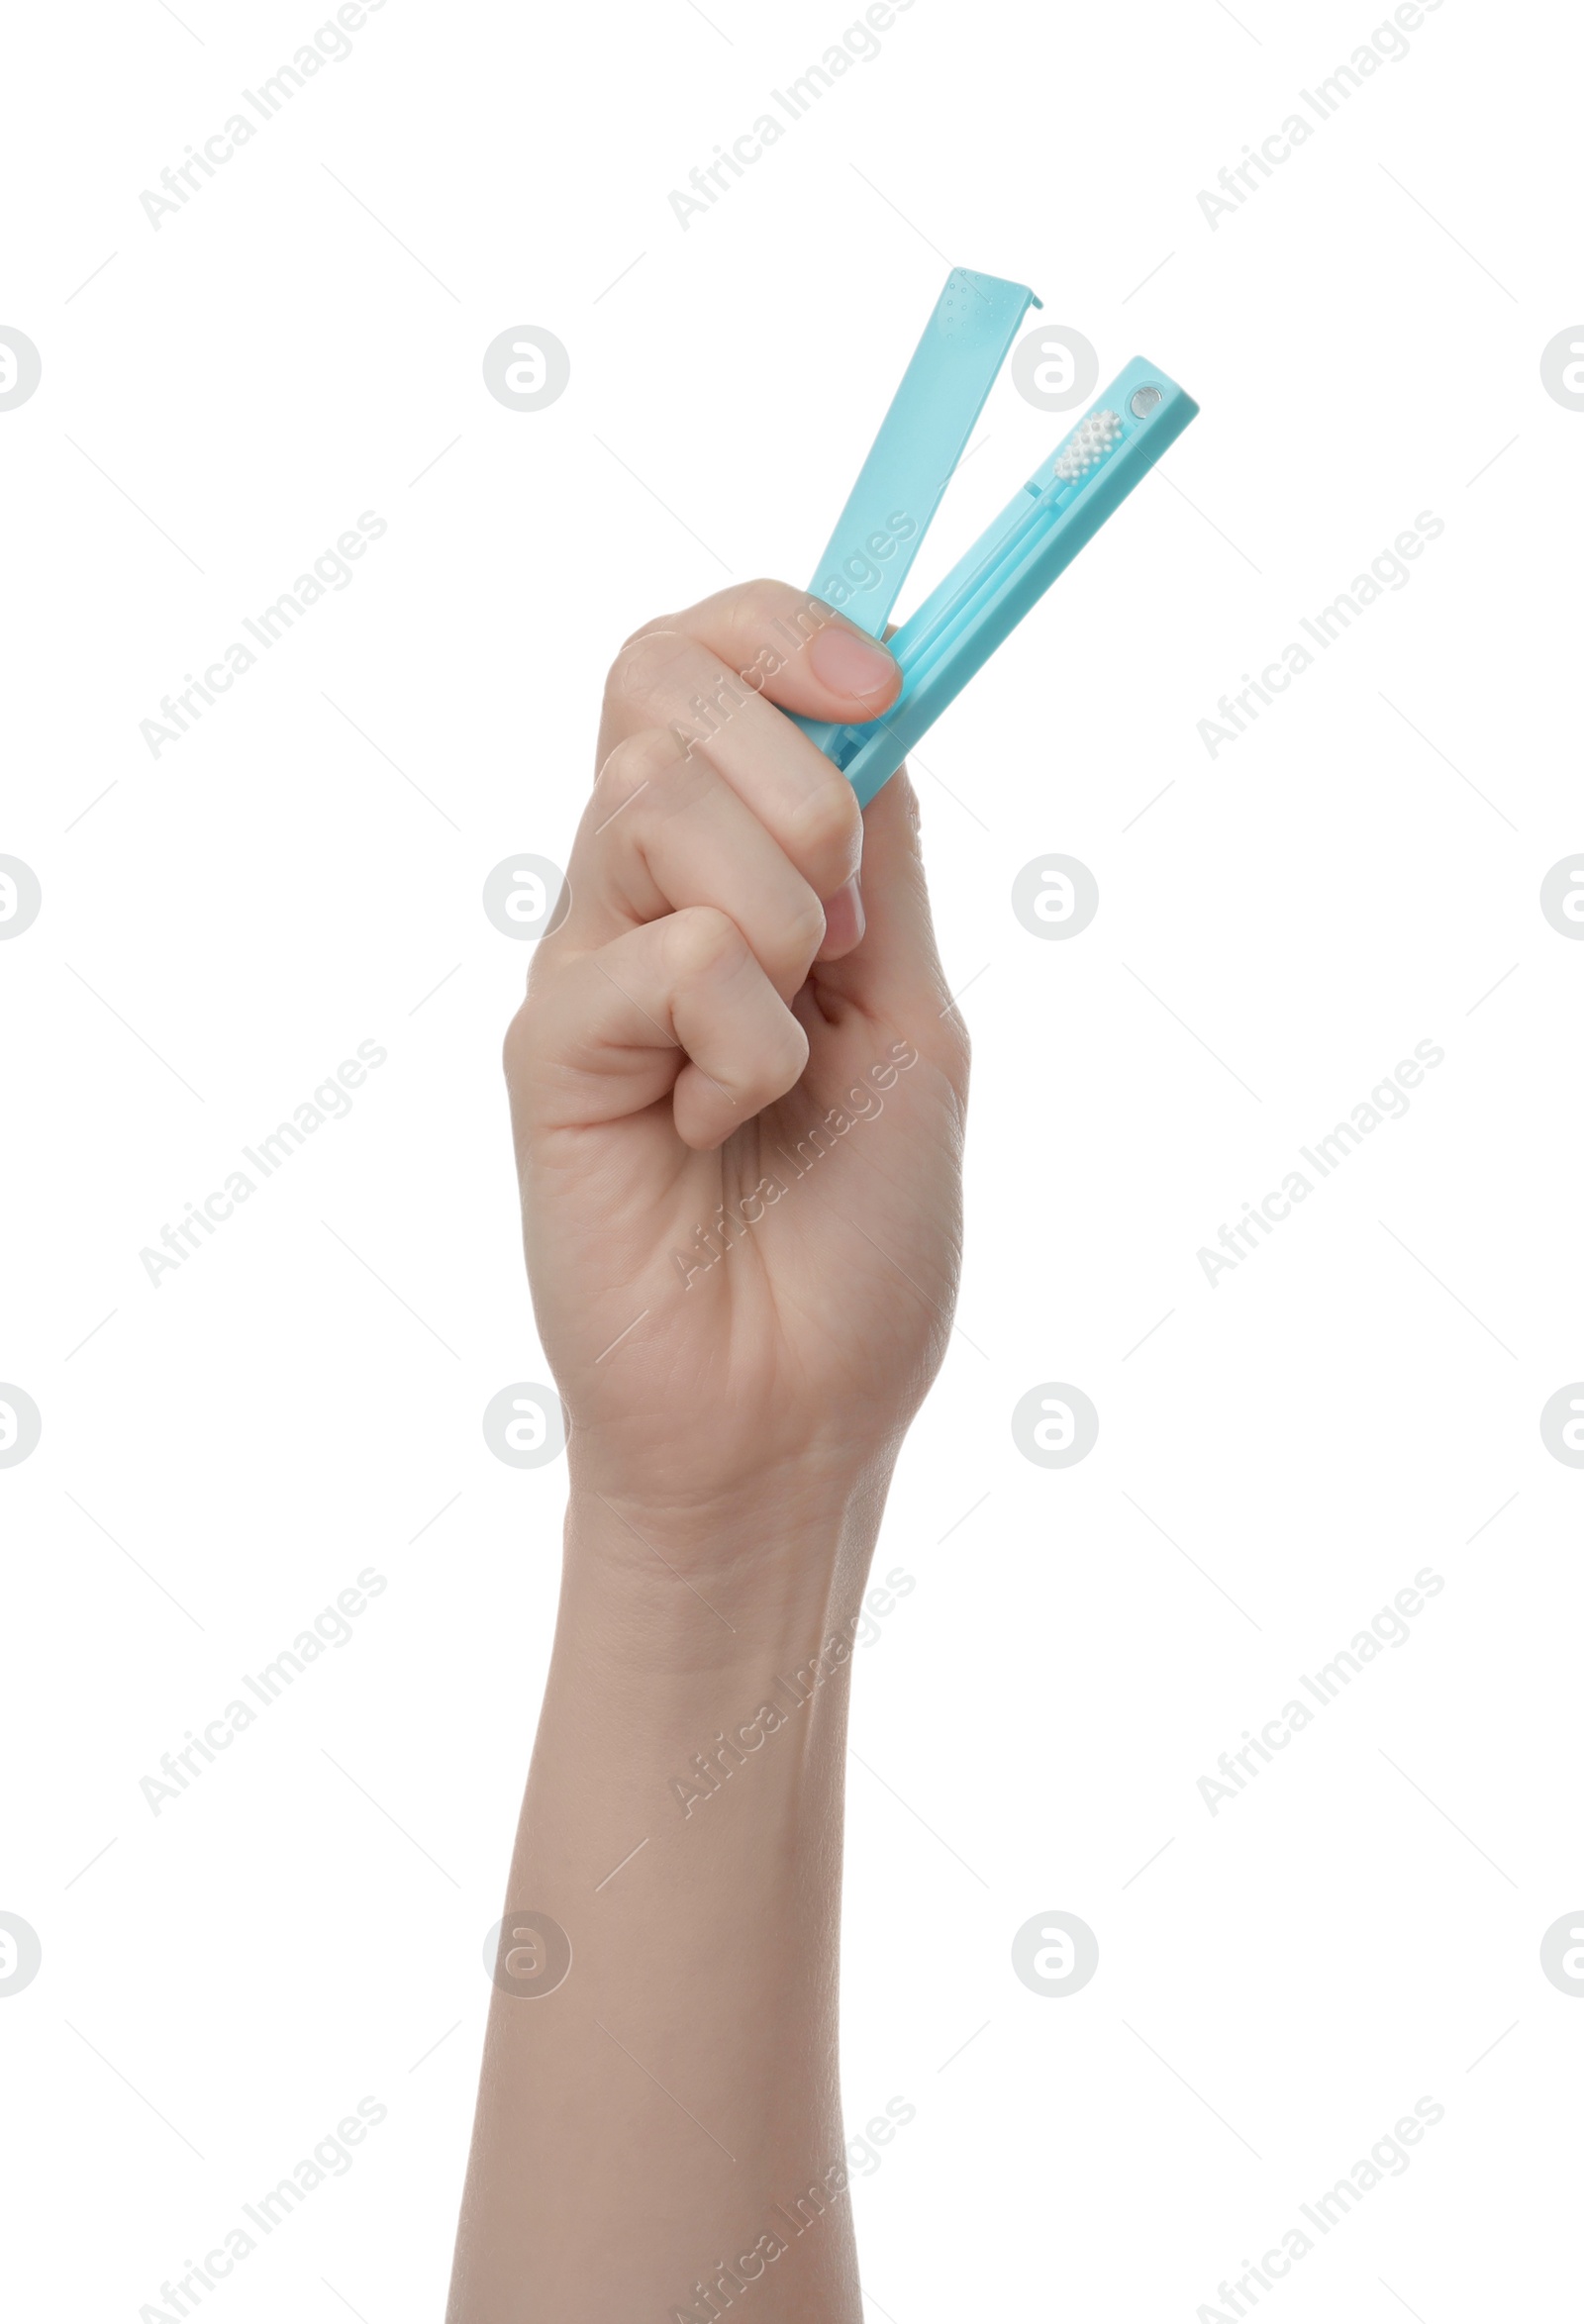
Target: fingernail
point(844, 922)
point(850, 663)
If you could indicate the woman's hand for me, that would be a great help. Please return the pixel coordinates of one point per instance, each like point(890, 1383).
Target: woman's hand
point(737, 1097)
point(737, 1089)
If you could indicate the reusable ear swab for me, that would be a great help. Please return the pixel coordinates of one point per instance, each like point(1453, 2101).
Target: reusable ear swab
point(987, 593)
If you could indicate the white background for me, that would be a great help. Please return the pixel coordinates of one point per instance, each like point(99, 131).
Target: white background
point(1277, 928)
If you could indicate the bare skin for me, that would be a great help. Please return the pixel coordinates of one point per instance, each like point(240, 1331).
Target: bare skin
point(718, 1036)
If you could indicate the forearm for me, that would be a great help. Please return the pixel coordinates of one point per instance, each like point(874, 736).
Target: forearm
point(669, 2118)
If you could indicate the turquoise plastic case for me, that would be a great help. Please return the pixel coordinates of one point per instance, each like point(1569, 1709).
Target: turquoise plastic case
point(1013, 562)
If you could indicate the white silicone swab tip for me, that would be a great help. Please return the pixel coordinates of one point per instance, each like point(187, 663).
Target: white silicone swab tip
point(1089, 445)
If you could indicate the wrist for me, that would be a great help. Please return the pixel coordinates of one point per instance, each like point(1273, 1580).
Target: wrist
point(664, 1585)
point(684, 1643)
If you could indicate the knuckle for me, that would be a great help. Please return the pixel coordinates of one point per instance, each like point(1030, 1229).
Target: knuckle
point(783, 1071)
point(645, 762)
point(779, 1059)
point(658, 622)
point(702, 941)
point(804, 932)
point(759, 602)
point(650, 659)
point(828, 828)
point(644, 755)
